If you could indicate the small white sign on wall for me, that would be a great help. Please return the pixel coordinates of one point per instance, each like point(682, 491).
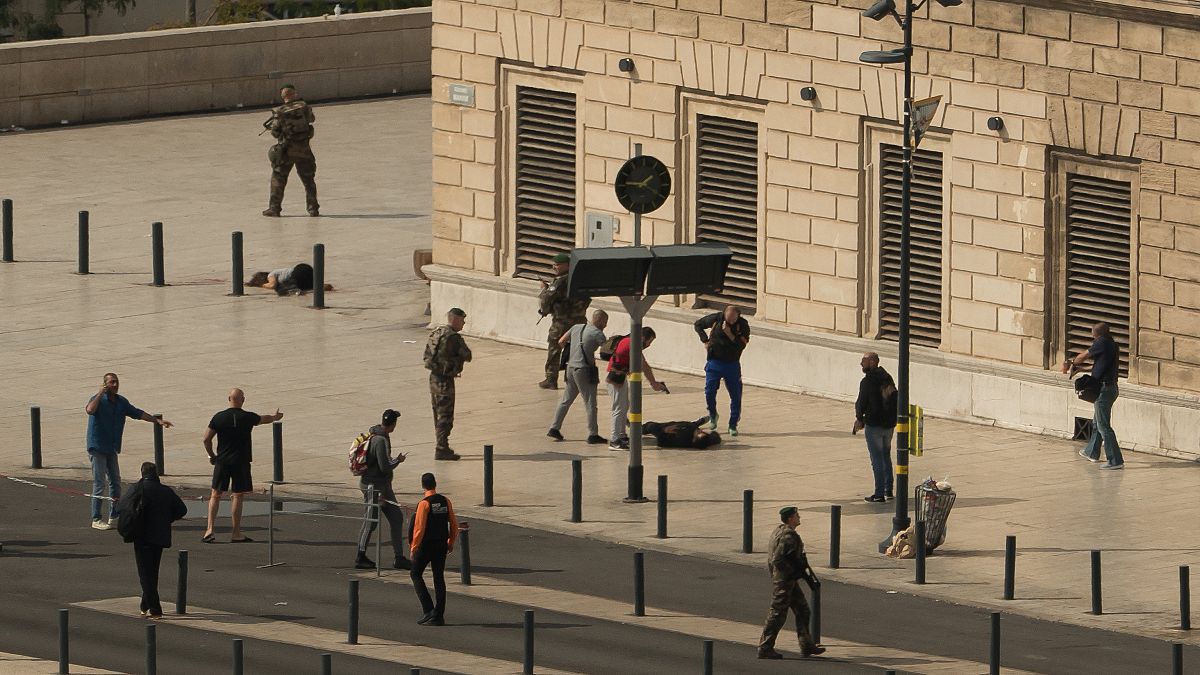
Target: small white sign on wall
point(600, 229)
point(463, 94)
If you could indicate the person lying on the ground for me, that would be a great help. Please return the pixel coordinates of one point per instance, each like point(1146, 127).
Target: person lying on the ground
point(286, 280)
point(682, 434)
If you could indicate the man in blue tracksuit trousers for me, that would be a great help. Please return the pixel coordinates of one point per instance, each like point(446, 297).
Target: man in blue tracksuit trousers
point(725, 335)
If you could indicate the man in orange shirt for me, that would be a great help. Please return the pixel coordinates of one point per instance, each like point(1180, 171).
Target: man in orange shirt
point(434, 530)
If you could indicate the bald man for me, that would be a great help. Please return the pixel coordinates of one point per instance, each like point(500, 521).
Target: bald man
point(231, 462)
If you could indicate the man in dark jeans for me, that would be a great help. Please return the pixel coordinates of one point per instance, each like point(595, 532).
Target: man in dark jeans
point(1106, 360)
point(875, 413)
point(380, 469)
point(434, 530)
point(160, 507)
point(730, 333)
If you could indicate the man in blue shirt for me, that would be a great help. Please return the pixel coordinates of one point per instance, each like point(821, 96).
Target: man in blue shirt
point(106, 412)
point(1106, 361)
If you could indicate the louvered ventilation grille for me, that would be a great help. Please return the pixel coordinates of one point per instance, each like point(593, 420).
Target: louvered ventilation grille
point(1099, 212)
point(727, 202)
point(545, 189)
point(925, 220)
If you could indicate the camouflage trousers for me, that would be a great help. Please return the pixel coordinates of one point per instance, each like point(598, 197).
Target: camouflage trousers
point(553, 350)
point(786, 596)
point(299, 155)
point(441, 393)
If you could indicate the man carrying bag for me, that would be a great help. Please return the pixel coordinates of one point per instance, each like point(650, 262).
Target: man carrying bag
point(146, 523)
point(582, 375)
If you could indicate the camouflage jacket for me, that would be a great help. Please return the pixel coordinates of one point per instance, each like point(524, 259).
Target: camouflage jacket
point(446, 352)
point(292, 122)
point(785, 555)
point(553, 300)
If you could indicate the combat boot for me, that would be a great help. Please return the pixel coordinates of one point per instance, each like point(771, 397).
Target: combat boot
point(549, 383)
point(446, 454)
point(769, 654)
point(271, 212)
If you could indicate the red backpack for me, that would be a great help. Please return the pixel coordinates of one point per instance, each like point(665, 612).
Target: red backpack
point(359, 458)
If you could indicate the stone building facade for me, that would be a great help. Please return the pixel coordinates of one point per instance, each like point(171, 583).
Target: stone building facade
point(1084, 205)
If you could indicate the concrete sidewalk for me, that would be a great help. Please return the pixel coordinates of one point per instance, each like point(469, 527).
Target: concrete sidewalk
point(179, 349)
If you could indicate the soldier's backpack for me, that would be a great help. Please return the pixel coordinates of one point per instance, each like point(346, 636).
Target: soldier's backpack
point(360, 456)
point(609, 346)
point(293, 121)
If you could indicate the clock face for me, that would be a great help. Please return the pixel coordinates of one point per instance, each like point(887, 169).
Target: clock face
point(643, 184)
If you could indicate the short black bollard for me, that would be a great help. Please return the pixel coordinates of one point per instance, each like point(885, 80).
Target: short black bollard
point(1097, 602)
point(708, 657)
point(414, 671)
point(181, 587)
point(237, 271)
point(835, 536)
point(576, 490)
point(151, 650)
point(237, 657)
point(327, 664)
point(35, 428)
point(814, 614)
point(1185, 597)
point(318, 276)
point(528, 661)
point(1176, 658)
point(6, 221)
point(82, 267)
point(639, 583)
point(156, 253)
point(277, 451)
point(464, 553)
point(352, 619)
point(64, 644)
point(748, 521)
point(1010, 566)
point(487, 476)
point(994, 657)
point(920, 559)
point(662, 507)
point(159, 451)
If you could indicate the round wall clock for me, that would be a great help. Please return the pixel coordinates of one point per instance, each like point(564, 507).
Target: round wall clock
point(643, 184)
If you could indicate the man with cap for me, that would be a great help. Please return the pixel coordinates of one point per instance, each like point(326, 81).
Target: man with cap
point(788, 565)
point(376, 484)
point(564, 312)
point(445, 354)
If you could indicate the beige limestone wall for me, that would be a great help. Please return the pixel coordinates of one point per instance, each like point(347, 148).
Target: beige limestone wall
point(212, 68)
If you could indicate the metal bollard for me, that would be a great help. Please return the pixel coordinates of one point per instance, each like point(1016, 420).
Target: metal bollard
point(151, 650)
point(464, 552)
point(318, 276)
point(414, 671)
point(159, 453)
point(994, 658)
point(920, 559)
point(82, 267)
point(576, 490)
point(814, 618)
point(1097, 602)
point(327, 664)
point(662, 507)
point(1185, 597)
point(487, 476)
point(1010, 566)
point(35, 428)
point(639, 584)
point(156, 253)
point(352, 619)
point(6, 216)
point(527, 668)
point(237, 273)
point(748, 521)
point(708, 657)
point(181, 588)
point(835, 536)
point(1177, 658)
point(237, 656)
point(277, 450)
point(64, 644)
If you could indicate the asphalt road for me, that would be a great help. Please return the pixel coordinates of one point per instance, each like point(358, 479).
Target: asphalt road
point(52, 558)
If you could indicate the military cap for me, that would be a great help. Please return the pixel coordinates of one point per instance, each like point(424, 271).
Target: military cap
point(458, 312)
point(289, 85)
point(787, 512)
point(562, 257)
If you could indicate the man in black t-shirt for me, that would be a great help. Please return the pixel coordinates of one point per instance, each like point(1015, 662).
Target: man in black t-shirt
point(1106, 360)
point(231, 462)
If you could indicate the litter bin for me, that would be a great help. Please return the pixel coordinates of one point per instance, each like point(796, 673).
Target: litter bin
point(934, 500)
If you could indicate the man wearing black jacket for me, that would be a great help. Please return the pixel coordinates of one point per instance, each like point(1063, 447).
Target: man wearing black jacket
point(875, 412)
point(730, 333)
point(160, 507)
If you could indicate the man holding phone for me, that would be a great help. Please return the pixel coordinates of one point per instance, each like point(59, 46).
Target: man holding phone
point(378, 475)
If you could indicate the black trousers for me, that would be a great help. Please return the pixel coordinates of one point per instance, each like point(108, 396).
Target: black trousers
point(148, 559)
point(436, 560)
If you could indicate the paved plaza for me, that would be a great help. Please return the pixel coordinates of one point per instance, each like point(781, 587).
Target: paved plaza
point(179, 349)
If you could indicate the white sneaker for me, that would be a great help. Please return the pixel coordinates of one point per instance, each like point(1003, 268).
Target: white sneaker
point(112, 523)
point(1090, 459)
point(100, 525)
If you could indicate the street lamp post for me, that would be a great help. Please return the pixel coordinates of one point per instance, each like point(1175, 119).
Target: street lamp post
point(876, 12)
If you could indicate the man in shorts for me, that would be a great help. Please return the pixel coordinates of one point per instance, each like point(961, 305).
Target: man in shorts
point(231, 462)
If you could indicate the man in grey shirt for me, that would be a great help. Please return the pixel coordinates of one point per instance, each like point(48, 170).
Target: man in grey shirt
point(380, 469)
point(582, 375)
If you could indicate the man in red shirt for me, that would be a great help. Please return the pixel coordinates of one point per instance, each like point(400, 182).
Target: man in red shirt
point(618, 387)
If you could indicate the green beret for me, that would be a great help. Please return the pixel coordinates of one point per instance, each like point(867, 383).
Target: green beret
point(787, 512)
point(287, 86)
point(562, 257)
point(458, 312)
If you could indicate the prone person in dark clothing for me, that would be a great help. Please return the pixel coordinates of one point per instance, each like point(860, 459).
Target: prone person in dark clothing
point(159, 507)
point(682, 434)
point(725, 336)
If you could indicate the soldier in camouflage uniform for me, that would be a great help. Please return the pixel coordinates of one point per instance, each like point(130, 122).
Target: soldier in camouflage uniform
point(291, 123)
point(564, 312)
point(445, 354)
point(788, 565)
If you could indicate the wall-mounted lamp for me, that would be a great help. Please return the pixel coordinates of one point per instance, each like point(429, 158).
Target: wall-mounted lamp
point(625, 65)
point(808, 94)
point(995, 123)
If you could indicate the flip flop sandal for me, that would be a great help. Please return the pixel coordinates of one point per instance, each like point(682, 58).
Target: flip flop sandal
point(243, 540)
point(208, 538)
